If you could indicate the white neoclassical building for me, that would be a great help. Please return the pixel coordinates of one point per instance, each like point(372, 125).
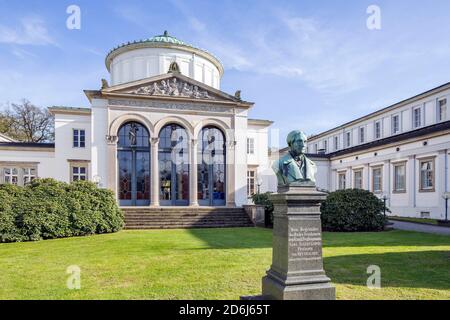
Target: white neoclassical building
point(161, 133)
point(401, 153)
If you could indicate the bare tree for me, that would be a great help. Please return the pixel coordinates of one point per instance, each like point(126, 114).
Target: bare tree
point(29, 123)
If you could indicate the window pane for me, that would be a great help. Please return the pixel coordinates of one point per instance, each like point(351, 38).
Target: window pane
point(75, 138)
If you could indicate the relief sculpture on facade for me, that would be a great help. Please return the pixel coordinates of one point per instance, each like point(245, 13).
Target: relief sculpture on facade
point(175, 88)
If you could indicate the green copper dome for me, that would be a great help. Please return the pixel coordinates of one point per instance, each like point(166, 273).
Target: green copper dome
point(165, 38)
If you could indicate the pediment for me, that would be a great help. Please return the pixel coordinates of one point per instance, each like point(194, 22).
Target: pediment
point(172, 85)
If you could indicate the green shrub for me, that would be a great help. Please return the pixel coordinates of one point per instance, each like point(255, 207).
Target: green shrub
point(263, 199)
point(352, 210)
point(47, 209)
point(9, 231)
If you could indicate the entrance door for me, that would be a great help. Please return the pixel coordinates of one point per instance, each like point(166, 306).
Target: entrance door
point(211, 167)
point(133, 155)
point(173, 166)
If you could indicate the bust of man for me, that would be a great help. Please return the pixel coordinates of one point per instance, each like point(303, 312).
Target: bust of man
point(294, 168)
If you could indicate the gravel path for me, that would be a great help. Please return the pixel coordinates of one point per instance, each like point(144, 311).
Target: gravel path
point(409, 226)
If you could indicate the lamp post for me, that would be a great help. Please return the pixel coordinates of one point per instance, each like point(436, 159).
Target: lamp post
point(446, 196)
point(259, 183)
point(385, 198)
point(97, 180)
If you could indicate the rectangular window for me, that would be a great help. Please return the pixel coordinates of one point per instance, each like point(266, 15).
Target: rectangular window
point(79, 173)
point(377, 130)
point(348, 139)
point(395, 124)
point(417, 116)
point(79, 138)
point(400, 177)
point(325, 146)
point(377, 180)
point(251, 180)
point(336, 143)
point(11, 175)
point(18, 174)
point(28, 175)
point(442, 110)
point(427, 175)
point(361, 135)
point(358, 180)
point(341, 181)
point(316, 149)
point(250, 146)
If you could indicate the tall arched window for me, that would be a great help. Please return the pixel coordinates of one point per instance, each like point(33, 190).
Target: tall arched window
point(173, 158)
point(133, 154)
point(211, 167)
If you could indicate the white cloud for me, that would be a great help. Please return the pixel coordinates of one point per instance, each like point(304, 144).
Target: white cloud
point(22, 54)
point(330, 61)
point(32, 31)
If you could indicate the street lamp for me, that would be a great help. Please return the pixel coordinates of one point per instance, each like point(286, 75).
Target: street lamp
point(259, 183)
point(446, 196)
point(97, 180)
point(385, 198)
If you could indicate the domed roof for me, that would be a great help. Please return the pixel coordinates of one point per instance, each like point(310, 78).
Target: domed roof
point(166, 38)
point(161, 40)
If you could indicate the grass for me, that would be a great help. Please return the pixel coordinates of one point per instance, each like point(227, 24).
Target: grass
point(218, 264)
point(416, 220)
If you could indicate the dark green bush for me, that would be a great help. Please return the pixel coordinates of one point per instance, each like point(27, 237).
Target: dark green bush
point(352, 210)
point(47, 209)
point(263, 199)
point(9, 231)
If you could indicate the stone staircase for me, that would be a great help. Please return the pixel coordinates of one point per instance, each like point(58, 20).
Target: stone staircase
point(184, 217)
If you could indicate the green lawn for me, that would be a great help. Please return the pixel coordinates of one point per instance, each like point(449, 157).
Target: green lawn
point(217, 264)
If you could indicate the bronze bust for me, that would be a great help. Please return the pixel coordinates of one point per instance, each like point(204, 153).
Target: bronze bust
point(294, 168)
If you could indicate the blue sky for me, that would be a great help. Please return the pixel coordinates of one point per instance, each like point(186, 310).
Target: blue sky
point(306, 64)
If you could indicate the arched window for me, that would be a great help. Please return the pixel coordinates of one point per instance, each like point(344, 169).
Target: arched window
point(133, 154)
point(173, 158)
point(211, 167)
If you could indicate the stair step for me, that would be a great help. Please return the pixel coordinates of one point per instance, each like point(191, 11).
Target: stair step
point(185, 217)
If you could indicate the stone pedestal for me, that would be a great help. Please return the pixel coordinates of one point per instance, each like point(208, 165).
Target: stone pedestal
point(297, 267)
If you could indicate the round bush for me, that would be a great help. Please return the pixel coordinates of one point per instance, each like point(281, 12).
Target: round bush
point(47, 209)
point(352, 210)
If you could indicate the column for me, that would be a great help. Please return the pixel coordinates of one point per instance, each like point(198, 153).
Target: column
point(193, 201)
point(230, 174)
point(111, 182)
point(366, 177)
point(333, 180)
point(440, 176)
point(349, 179)
point(386, 180)
point(411, 178)
point(154, 175)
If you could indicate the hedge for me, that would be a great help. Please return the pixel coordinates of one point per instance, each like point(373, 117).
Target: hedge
point(352, 210)
point(48, 209)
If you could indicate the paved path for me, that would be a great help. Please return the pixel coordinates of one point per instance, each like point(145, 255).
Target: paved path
point(409, 226)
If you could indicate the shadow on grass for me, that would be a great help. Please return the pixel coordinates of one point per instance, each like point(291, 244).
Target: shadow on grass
point(421, 269)
point(241, 238)
point(234, 238)
point(384, 239)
